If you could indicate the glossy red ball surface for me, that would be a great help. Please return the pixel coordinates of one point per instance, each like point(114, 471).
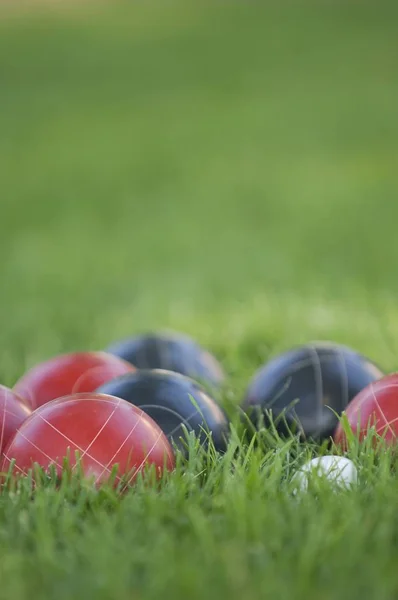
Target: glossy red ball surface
point(104, 430)
point(73, 373)
point(13, 412)
point(375, 406)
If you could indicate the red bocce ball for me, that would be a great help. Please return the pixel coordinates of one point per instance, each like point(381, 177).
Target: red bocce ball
point(104, 430)
point(13, 412)
point(375, 406)
point(73, 373)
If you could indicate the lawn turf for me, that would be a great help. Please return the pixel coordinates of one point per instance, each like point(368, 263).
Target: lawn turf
point(231, 172)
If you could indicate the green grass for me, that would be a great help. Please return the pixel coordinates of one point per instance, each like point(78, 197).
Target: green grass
point(230, 172)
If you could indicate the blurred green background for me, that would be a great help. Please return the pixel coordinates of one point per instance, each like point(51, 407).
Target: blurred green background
point(229, 169)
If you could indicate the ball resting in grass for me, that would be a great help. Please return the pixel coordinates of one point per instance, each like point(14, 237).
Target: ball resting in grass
point(338, 470)
point(96, 433)
point(174, 402)
point(65, 374)
point(171, 351)
point(307, 388)
point(376, 406)
point(13, 412)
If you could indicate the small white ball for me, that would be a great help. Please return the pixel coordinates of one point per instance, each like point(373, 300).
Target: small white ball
point(340, 471)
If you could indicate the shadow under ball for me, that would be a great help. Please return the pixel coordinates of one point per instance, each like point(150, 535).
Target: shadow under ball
point(304, 388)
point(167, 398)
point(172, 352)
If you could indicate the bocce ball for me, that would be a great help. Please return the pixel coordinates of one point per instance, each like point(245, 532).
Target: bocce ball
point(103, 430)
point(338, 470)
point(171, 352)
point(13, 412)
point(375, 406)
point(173, 400)
point(304, 388)
point(69, 374)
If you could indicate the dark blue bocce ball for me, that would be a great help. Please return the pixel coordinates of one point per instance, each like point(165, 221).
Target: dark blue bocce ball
point(303, 390)
point(172, 352)
point(173, 400)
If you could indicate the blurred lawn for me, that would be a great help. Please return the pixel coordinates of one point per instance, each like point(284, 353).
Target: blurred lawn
point(229, 171)
point(226, 169)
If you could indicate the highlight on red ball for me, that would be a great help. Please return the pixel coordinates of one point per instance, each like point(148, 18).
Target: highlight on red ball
point(107, 433)
point(77, 372)
point(375, 406)
point(13, 412)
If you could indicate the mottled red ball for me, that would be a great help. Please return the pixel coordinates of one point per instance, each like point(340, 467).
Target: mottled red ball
point(13, 412)
point(73, 373)
point(375, 406)
point(105, 431)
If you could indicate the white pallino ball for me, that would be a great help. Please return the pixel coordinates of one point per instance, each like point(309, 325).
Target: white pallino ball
point(339, 471)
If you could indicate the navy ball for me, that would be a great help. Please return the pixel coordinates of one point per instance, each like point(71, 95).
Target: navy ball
point(172, 352)
point(173, 400)
point(303, 388)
